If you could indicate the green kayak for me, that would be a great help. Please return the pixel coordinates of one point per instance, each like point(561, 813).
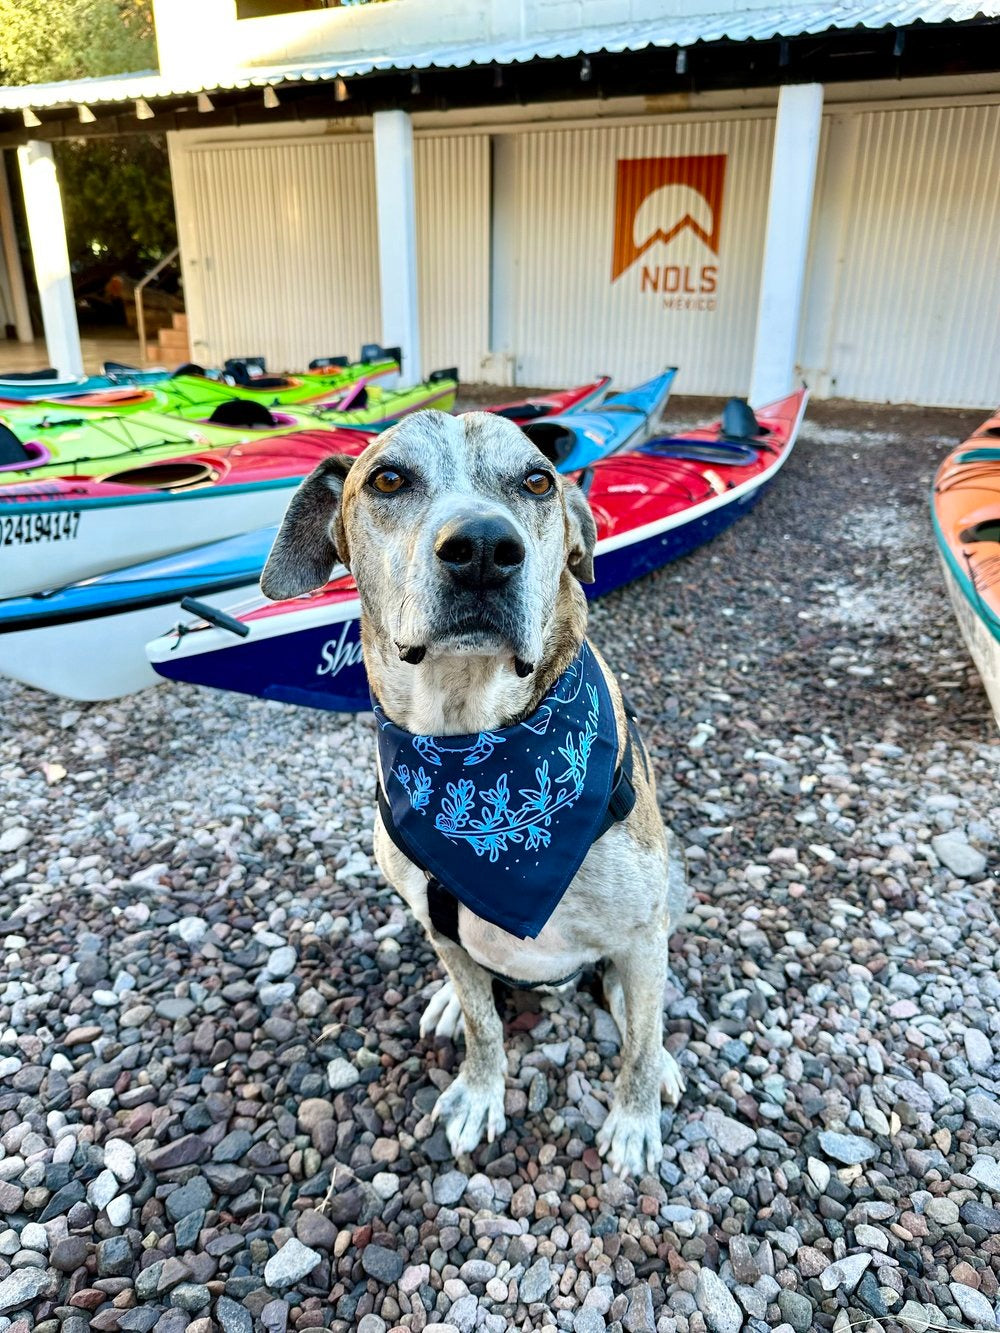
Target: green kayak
point(37, 445)
point(191, 394)
point(371, 406)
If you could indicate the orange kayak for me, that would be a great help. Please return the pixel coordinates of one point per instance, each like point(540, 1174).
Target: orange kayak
point(965, 505)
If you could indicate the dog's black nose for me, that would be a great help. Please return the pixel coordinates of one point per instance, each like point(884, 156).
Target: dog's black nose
point(479, 552)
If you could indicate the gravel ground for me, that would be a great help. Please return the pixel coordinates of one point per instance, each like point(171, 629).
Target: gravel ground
point(213, 1098)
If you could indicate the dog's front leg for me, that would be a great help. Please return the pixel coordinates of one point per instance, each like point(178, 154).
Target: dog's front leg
point(630, 1137)
point(474, 1101)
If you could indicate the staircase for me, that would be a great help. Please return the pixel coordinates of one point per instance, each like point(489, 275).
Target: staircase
point(172, 346)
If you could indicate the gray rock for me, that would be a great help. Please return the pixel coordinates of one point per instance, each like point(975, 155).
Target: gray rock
point(281, 961)
point(850, 1149)
point(942, 1211)
point(190, 1296)
point(915, 1317)
point(986, 1171)
point(114, 1257)
point(341, 1074)
point(234, 1318)
point(381, 1263)
point(588, 1321)
point(463, 1314)
point(978, 1050)
point(449, 1187)
point(845, 1273)
point(291, 1264)
point(22, 1287)
point(732, 1136)
point(797, 1310)
point(536, 1283)
point(190, 1198)
point(983, 1110)
point(716, 1303)
point(973, 1304)
point(953, 851)
point(638, 1317)
point(372, 1323)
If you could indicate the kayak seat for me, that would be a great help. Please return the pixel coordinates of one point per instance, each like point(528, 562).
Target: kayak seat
point(986, 531)
point(12, 450)
point(556, 442)
point(189, 368)
point(436, 376)
point(243, 412)
point(524, 412)
point(119, 368)
point(722, 452)
point(50, 373)
point(376, 352)
point(739, 423)
point(328, 363)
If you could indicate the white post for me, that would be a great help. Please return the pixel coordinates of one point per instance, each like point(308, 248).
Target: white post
point(47, 233)
point(786, 245)
point(397, 239)
point(12, 260)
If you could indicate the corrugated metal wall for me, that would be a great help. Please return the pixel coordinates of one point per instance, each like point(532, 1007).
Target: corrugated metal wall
point(571, 318)
point(280, 248)
point(452, 182)
point(914, 316)
point(281, 256)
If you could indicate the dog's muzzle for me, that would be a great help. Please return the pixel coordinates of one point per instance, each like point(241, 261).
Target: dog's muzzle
point(479, 553)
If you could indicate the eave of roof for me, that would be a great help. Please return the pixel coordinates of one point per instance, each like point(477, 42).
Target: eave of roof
point(673, 31)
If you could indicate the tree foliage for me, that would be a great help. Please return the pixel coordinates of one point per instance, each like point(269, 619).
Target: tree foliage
point(42, 41)
point(116, 192)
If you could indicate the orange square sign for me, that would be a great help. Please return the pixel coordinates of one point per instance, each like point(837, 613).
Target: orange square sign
point(656, 198)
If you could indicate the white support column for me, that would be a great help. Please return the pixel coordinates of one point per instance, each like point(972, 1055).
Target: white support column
point(397, 239)
point(12, 260)
point(47, 233)
point(786, 246)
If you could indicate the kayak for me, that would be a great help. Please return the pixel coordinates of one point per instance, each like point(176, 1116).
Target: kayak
point(581, 398)
point(25, 386)
point(370, 406)
point(53, 532)
point(85, 641)
point(965, 506)
point(194, 394)
point(37, 443)
point(577, 438)
point(651, 506)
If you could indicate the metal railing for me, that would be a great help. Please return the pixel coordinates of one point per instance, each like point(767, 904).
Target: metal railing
point(140, 315)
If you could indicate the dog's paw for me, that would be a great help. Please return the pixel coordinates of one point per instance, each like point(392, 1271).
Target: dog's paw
point(443, 1015)
point(671, 1080)
point(469, 1109)
point(631, 1142)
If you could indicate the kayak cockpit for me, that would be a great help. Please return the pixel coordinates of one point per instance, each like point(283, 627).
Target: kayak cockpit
point(172, 475)
point(18, 455)
point(552, 439)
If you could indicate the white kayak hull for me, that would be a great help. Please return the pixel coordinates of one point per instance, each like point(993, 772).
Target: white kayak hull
point(93, 658)
point(984, 648)
point(96, 537)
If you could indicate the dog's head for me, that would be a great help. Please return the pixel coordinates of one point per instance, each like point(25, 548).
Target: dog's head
point(457, 531)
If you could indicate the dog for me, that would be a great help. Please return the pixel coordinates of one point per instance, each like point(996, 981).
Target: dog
point(469, 551)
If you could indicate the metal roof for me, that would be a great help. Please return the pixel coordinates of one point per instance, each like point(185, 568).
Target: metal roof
point(668, 31)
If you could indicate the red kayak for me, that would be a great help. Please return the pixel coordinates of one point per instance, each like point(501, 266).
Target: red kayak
point(580, 399)
point(652, 506)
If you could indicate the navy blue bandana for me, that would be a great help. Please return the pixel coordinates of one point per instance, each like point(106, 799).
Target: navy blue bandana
point(505, 819)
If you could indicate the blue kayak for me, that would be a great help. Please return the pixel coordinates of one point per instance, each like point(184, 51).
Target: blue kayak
point(45, 384)
point(577, 439)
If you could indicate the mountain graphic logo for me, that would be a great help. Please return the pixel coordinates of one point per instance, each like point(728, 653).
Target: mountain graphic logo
point(656, 198)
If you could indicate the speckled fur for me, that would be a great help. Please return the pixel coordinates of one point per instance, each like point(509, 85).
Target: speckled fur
point(618, 906)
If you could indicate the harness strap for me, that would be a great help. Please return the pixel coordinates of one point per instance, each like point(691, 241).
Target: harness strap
point(442, 905)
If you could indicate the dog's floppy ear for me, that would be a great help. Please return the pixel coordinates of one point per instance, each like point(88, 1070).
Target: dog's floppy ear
point(581, 534)
point(311, 538)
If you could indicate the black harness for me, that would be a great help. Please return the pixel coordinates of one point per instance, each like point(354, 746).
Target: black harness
point(442, 903)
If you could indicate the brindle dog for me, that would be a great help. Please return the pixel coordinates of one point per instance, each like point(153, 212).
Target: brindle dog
point(468, 550)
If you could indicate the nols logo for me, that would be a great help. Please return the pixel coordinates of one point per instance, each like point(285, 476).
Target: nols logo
point(658, 198)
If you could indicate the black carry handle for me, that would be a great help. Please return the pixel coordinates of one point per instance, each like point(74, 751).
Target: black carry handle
point(214, 616)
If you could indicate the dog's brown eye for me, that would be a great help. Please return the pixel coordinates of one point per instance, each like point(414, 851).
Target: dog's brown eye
point(388, 480)
point(538, 483)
